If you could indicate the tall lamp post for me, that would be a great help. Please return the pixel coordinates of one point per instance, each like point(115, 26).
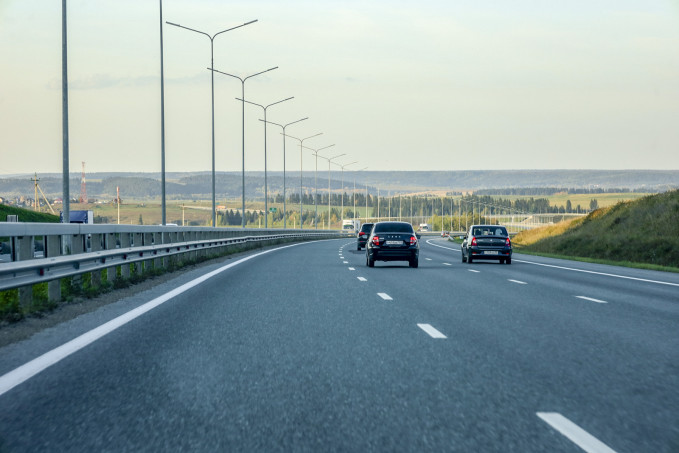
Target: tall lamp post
point(301, 174)
point(366, 199)
point(345, 165)
point(283, 126)
point(212, 59)
point(266, 187)
point(329, 162)
point(242, 83)
point(315, 153)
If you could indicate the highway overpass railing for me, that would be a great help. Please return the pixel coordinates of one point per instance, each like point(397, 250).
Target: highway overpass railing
point(33, 253)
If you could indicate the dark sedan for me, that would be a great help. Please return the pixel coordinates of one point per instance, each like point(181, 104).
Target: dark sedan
point(362, 236)
point(392, 241)
point(487, 242)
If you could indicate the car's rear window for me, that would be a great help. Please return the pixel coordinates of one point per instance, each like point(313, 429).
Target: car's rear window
point(367, 227)
point(489, 231)
point(393, 228)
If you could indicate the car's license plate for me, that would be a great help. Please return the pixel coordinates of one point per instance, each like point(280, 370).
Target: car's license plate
point(394, 242)
point(490, 252)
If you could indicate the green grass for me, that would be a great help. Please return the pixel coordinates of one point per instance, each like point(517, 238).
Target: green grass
point(642, 231)
point(27, 215)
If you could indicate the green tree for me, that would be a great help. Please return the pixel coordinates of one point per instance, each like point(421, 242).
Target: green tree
point(593, 204)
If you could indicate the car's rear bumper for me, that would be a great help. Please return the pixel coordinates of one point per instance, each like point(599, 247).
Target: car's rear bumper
point(394, 255)
point(490, 253)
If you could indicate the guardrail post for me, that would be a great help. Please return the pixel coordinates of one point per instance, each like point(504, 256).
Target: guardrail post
point(125, 243)
point(147, 239)
point(22, 250)
point(110, 244)
point(53, 248)
point(96, 246)
point(78, 245)
point(138, 241)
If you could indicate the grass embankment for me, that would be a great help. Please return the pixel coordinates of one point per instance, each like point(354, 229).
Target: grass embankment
point(26, 215)
point(644, 231)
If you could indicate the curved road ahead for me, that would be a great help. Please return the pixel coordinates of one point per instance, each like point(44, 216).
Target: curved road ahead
point(304, 348)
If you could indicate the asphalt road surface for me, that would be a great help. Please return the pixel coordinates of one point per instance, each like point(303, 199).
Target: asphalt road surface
point(304, 348)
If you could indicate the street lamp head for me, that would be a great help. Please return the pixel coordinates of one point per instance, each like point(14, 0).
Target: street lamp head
point(339, 155)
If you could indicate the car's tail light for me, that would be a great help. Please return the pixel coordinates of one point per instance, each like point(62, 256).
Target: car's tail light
point(376, 240)
point(508, 243)
point(473, 241)
point(361, 233)
point(413, 240)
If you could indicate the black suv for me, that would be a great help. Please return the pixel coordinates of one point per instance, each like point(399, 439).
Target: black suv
point(392, 241)
point(362, 236)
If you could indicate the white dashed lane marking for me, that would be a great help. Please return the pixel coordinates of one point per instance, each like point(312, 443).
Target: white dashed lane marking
point(574, 433)
point(517, 281)
point(352, 269)
point(385, 296)
point(432, 332)
point(592, 300)
point(474, 270)
point(447, 264)
point(362, 279)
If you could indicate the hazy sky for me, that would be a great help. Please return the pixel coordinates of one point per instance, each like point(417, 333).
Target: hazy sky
point(396, 85)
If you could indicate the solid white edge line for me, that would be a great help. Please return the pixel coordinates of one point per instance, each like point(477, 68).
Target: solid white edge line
point(440, 246)
point(592, 300)
point(577, 435)
point(26, 371)
point(385, 296)
point(577, 270)
point(599, 273)
point(431, 331)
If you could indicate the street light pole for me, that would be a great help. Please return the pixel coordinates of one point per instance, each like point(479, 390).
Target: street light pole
point(329, 162)
point(266, 187)
point(345, 165)
point(315, 152)
point(212, 60)
point(283, 126)
point(301, 174)
point(366, 199)
point(242, 82)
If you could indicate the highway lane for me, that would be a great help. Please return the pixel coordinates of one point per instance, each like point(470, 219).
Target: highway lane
point(292, 351)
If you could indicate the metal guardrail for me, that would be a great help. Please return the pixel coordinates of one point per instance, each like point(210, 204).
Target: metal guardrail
point(66, 250)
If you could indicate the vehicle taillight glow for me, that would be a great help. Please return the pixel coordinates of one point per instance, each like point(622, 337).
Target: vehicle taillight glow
point(413, 240)
point(376, 240)
point(508, 243)
point(473, 241)
point(361, 233)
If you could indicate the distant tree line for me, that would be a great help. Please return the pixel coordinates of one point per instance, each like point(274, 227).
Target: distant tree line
point(528, 191)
